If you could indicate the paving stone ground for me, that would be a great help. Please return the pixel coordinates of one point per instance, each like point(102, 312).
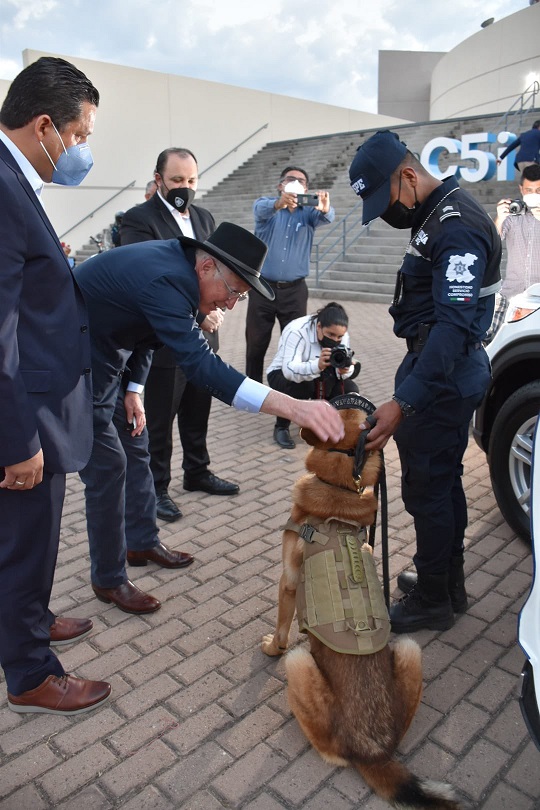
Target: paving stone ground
point(198, 717)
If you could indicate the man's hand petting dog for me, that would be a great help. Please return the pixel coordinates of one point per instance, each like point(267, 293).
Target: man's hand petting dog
point(317, 415)
point(387, 416)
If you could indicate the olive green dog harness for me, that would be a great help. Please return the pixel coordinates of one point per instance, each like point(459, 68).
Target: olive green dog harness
point(339, 597)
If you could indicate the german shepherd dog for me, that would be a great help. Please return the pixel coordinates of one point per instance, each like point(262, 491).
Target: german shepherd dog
point(354, 708)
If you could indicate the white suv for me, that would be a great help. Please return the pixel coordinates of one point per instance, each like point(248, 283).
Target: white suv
point(528, 635)
point(504, 423)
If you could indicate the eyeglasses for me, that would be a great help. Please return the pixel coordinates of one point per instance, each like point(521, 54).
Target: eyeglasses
point(289, 179)
point(232, 293)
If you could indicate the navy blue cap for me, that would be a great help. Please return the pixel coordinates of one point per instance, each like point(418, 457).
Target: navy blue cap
point(372, 167)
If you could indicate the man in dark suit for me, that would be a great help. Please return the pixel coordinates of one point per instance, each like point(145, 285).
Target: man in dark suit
point(168, 395)
point(151, 293)
point(45, 388)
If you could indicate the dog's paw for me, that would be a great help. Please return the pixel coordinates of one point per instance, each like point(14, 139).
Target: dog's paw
point(269, 645)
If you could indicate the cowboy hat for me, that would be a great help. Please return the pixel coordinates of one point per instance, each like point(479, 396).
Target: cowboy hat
point(239, 250)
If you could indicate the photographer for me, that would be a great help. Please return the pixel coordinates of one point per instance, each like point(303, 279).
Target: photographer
point(286, 224)
point(518, 223)
point(313, 361)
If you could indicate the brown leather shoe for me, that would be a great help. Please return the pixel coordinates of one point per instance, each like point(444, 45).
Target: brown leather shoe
point(128, 598)
point(63, 694)
point(161, 555)
point(66, 630)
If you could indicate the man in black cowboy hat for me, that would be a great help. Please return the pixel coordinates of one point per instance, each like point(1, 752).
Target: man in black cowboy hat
point(145, 295)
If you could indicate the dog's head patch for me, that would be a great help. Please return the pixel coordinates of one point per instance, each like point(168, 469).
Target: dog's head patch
point(344, 402)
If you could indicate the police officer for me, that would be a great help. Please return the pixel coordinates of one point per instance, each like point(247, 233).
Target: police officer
point(442, 307)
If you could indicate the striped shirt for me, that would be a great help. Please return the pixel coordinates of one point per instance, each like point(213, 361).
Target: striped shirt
point(521, 232)
point(299, 351)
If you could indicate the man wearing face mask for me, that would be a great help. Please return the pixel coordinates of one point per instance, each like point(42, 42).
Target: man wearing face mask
point(287, 227)
point(443, 305)
point(46, 424)
point(521, 232)
point(168, 395)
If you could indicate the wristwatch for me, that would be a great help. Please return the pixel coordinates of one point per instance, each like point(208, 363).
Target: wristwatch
point(405, 408)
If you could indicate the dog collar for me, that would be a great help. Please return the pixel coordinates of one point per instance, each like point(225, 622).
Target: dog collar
point(359, 453)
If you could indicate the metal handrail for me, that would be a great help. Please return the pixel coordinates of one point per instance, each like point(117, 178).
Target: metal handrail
point(236, 148)
point(345, 231)
point(91, 214)
point(528, 95)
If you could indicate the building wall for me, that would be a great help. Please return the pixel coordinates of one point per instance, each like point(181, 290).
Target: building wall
point(142, 112)
point(488, 71)
point(404, 86)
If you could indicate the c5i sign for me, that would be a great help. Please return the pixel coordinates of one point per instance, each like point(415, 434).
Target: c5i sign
point(467, 148)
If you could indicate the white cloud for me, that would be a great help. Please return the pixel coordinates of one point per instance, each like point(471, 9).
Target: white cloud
point(310, 49)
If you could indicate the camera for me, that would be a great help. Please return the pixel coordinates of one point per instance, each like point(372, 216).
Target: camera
point(308, 199)
point(516, 206)
point(341, 357)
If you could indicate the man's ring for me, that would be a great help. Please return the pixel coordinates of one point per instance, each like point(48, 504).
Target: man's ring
point(20, 483)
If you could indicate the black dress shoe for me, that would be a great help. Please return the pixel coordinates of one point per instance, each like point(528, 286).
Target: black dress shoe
point(166, 508)
point(283, 438)
point(161, 555)
point(128, 598)
point(208, 482)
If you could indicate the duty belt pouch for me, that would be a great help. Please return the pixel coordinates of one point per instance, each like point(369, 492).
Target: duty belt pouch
point(339, 598)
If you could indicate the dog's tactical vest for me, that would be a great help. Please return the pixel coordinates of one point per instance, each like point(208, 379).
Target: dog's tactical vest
point(339, 597)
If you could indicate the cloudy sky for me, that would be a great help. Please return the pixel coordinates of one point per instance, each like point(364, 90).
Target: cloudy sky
point(313, 49)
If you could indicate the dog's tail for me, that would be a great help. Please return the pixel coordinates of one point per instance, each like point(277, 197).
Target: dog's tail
point(392, 781)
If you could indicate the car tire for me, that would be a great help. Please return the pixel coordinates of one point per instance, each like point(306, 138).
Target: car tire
point(510, 455)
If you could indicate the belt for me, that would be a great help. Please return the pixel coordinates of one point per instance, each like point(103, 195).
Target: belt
point(281, 285)
point(416, 344)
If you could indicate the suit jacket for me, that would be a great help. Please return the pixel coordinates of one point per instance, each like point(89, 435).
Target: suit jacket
point(45, 379)
point(140, 295)
point(153, 220)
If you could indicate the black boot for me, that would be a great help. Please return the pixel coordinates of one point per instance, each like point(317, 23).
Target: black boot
point(456, 583)
point(426, 607)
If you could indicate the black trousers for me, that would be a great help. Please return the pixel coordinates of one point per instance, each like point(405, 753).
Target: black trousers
point(325, 387)
point(169, 396)
point(29, 535)
point(289, 303)
point(431, 446)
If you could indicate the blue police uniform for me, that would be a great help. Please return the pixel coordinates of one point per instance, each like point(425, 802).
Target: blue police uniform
point(443, 306)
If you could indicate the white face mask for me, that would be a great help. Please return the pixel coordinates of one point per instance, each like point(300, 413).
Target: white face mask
point(532, 200)
point(294, 187)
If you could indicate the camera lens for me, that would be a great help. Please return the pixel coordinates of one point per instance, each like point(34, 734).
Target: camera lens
point(340, 357)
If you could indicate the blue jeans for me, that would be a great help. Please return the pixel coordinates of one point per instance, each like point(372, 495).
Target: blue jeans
point(120, 499)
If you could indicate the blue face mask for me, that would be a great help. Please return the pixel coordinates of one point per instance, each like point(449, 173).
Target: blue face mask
point(73, 164)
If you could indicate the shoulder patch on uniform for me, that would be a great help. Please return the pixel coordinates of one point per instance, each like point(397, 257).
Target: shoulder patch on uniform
point(458, 268)
point(448, 209)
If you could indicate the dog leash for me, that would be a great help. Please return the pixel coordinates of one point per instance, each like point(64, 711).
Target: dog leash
point(359, 454)
point(380, 485)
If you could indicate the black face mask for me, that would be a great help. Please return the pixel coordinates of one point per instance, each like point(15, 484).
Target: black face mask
point(180, 198)
point(399, 215)
point(328, 343)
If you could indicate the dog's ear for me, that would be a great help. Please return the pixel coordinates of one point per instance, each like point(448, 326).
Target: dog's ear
point(351, 418)
point(310, 438)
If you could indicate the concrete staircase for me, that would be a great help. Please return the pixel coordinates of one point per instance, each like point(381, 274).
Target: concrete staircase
point(91, 248)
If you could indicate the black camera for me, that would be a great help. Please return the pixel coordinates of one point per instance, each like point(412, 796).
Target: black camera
point(308, 199)
point(516, 206)
point(341, 357)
